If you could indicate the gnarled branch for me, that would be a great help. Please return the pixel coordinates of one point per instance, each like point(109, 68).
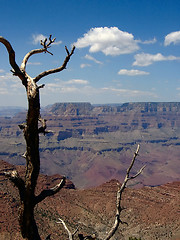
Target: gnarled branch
point(119, 196)
point(28, 55)
point(45, 44)
point(42, 129)
point(35, 51)
point(14, 177)
point(59, 69)
point(16, 70)
point(49, 192)
point(71, 236)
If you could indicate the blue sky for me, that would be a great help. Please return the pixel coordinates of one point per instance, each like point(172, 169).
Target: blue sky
point(126, 50)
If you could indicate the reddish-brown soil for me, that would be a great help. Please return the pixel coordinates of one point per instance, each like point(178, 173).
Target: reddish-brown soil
point(151, 212)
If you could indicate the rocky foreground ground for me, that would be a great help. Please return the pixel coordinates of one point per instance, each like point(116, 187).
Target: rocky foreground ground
point(151, 212)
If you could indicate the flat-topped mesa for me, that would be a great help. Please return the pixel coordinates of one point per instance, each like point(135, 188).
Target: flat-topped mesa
point(71, 108)
point(86, 108)
point(150, 107)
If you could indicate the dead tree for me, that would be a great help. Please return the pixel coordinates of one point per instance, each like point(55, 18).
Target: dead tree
point(118, 205)
point(26, 186)
point(119, 196)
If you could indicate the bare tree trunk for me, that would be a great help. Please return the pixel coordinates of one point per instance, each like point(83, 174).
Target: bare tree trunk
point(26, 214)
point(27, 222)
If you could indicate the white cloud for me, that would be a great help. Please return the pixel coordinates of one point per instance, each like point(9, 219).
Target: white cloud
point(1, 70)
point(38, 37)
point(77, 81)
point(72, 90)
point(152, 41)
point(7, 77)
point(129, 92)
point(132, 72)
point(173, 37)
point(3, 91)
point(10, 84)
point(110, 41)
point(77, 86)
point(83, 65)
point(146, 59)
point(63, 86)
point(92, 59)
point(57, 43)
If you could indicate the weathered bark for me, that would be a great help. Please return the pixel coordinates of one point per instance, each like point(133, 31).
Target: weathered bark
point(26, 187)
point(26, 214)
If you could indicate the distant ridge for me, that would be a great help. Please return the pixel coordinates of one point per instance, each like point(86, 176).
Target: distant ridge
point(10, 111)
point(84, 108)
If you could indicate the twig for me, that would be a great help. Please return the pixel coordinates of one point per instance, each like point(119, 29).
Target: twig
point(67, 229)
point(49, 192)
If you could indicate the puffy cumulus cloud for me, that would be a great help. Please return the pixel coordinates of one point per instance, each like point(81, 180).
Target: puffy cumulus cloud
point(173, 37)
point(146, 59)
point(132, 72)
point(92, 59)
point(38, 37)
point(110, 41)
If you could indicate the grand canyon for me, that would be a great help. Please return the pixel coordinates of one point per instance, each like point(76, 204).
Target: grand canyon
point(92, 145)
